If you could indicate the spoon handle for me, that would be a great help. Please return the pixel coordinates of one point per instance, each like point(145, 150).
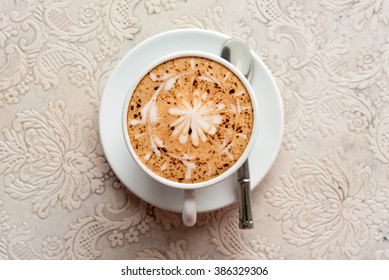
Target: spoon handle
point(245, 215)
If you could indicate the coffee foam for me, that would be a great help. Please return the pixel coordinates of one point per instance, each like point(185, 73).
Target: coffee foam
point(189, 119)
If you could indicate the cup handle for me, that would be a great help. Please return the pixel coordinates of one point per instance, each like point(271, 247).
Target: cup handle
point(189, 211)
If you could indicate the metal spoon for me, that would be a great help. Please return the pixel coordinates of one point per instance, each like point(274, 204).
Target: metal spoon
point(235, 51)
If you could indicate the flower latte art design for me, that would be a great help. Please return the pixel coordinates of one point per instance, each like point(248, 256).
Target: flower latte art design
point(196, 120)
point(189, 119)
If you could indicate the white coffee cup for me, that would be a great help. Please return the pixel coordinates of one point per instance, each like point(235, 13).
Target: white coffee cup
point(189, 212)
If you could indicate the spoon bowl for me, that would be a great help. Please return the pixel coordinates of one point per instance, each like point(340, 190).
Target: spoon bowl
point(238, 54)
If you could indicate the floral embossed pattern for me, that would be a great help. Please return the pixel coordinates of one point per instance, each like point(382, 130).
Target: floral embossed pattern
point(326, 196)
point(49, 158)
point(329, 204)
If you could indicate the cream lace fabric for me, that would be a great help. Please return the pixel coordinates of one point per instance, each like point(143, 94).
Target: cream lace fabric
point(326, 196)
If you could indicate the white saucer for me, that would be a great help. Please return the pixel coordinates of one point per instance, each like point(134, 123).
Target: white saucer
point(211, 198)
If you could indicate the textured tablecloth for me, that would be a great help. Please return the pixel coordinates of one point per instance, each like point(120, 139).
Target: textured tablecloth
point(326, 196)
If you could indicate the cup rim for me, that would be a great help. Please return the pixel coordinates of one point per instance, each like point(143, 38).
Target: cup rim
point(247, 150)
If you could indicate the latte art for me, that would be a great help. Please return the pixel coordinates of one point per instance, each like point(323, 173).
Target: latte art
point(189, 119)
point(196, 120)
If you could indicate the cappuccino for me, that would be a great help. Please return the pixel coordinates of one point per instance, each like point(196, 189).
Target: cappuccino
point(189, 119)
